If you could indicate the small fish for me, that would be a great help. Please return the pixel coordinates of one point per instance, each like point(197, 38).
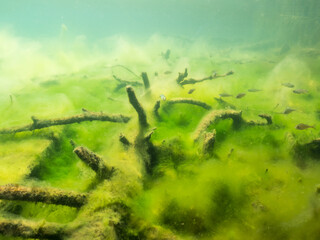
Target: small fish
point(288, 85)
point(191, 90)
point(288, 110)
point(163, 97)
point(254, 90)
point(240, 95)
point(225, 95)
point(302, 126)
point(167, 72)
point(300, 91)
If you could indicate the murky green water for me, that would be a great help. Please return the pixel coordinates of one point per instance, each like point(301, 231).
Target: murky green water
point(197, 161)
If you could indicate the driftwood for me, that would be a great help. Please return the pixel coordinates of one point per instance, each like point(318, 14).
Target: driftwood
point(181, 80)
point(29, 229)
point(95, 162)
point(188, 101)
point(51, 196)
point(156, 109)
point(208, 142)
point(124, 83)
point(236, 116)
point(145, 79)
point(137, 106)
point(124, 140)
point(86, 116)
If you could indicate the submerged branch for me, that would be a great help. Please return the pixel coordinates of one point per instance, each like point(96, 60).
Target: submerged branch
point(188, 101)
point(28, 229)
point(156, 109)
point(236, 116)
point(124, 83)
point(208, 142)
point(124, 140)
point(95, 162)
point(86, 116)
point(145, 79)
point(137, 106)
point(181, 80)
point(52, 196)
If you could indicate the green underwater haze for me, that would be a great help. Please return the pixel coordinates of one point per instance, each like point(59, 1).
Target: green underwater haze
point(222, 141)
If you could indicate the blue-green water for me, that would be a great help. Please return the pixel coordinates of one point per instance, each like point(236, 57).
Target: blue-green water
point(206, 165)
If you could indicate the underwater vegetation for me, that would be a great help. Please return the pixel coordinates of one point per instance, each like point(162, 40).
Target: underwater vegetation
point(160, 142)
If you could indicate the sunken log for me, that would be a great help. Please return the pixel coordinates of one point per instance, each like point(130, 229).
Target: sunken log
point(26, 229)
point(208, 142)
point(215, 116)
point(181, 80)
point(124, 140)
point(95, 162)
point(86, 116)
point(145, 79)
point(137, 106)
point(156, 109)
point(188, 101)
point(51, 196)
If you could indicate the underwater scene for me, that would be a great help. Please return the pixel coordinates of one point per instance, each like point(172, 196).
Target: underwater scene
point(161, 120)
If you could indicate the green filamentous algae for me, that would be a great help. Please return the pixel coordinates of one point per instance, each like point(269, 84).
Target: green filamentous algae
point(160, 120)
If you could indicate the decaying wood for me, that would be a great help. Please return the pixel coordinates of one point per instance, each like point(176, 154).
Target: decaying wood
point(181, 80)
point(27, 229)
point(208, 142)
point(124, 83)
point(51, 196)
point(87, 116)
point(95, 162)
point(236, 116)
point(156, 109)
point(145, 79)
point(188, 101)
point(137, 106)
point(215, 116)
point(124, 140)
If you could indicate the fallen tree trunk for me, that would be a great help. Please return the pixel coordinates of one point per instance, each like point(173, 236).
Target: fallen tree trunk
point(188, 101)
point(137, 106)
point(51, 196)
point(95, 162)
point(87, 116)
point(26, 229)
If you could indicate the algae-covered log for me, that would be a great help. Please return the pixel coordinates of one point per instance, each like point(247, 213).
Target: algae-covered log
point(52, 196)
point(95, 162)
point(145, 79)
point(208, 142)
point(86, 116)
point(181, 80)
point(188, 101)
point(137, 106)
point(156, 109)
point(26, 229)
point(216, 115)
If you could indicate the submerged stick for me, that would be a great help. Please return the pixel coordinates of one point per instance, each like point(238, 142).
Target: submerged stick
point(124, 83)
point(27, 229)
point(51, 196)
point(182, 81)
point(188, 101)
point(87, 116)
point(95, 162)
point(216, 115)
point(208, 142)
point(156, 109)
point(137, 106)
point(145, 79)
point(124, 140)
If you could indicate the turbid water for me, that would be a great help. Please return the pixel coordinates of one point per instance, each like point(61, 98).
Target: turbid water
point(159, 120)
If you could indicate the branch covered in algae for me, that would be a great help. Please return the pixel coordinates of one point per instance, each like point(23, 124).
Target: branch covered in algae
point(86, 116)
point(156, 109)
point(52, 196)
point(94, 162)
point(137, 106)
point(208, 142)
point(26, 229)
point(188, 101)
point(182, 81)
point(145, 79)
point(124, 83)
point(236, 116)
